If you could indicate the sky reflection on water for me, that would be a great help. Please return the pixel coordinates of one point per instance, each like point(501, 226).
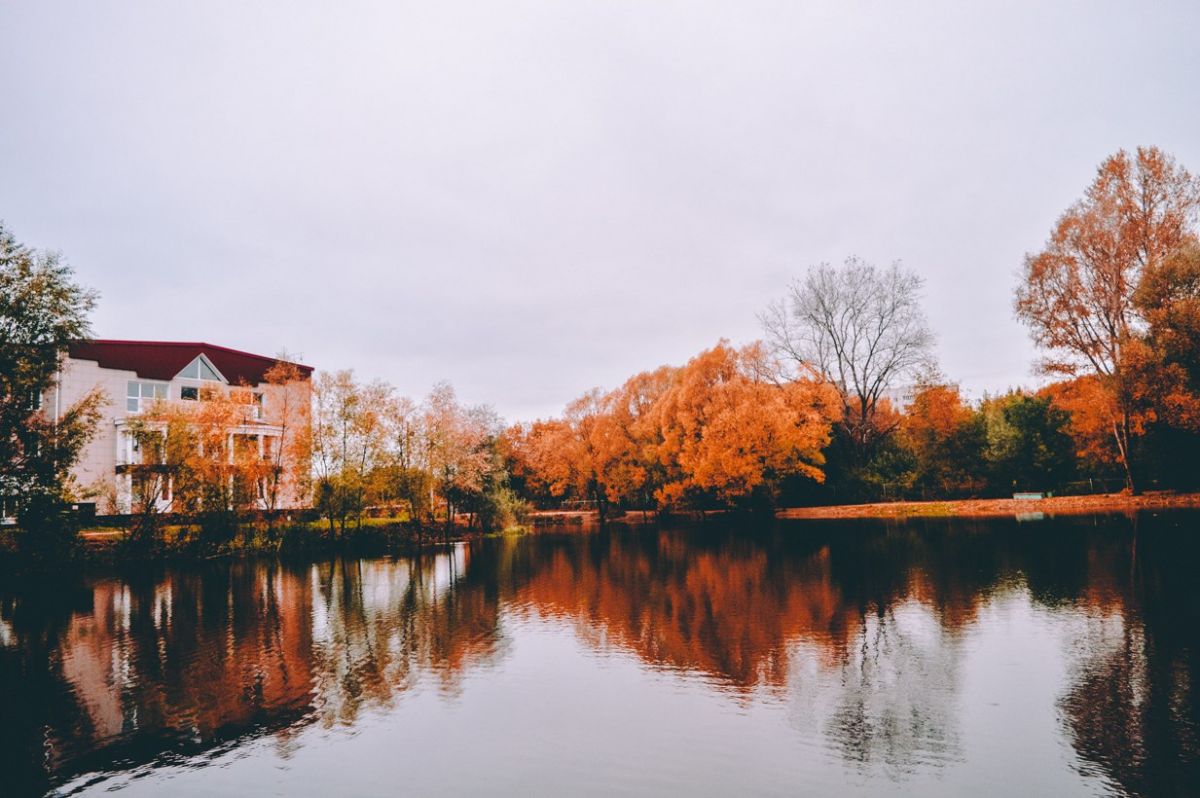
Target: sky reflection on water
point(930, 658)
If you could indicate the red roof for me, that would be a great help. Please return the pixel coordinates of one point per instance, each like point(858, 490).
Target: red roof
point(163, 360)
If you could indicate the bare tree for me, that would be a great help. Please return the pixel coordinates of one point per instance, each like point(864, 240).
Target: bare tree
point(859, 327)
point(456, 439)
point(349, 441)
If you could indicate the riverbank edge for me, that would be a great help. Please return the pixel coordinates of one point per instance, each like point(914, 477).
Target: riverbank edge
point(1096, 504)
point(114, 547)
point(999, 508)
point(110, 546)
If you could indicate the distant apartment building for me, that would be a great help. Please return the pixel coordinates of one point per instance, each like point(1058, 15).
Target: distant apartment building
point(135, 375)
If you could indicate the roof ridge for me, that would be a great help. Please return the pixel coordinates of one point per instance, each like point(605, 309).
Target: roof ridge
point(201, 344)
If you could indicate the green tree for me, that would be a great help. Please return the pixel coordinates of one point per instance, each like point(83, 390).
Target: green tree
point(42, 310)
point(1028, 447)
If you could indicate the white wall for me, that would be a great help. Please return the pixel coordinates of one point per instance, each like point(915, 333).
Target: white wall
point(98, 460)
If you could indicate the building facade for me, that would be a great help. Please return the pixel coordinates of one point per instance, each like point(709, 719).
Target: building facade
point(137, 376)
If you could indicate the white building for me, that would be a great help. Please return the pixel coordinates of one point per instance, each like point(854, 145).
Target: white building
point(134, 374)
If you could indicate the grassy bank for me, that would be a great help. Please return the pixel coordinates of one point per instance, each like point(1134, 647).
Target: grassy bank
point(946, 508)
point(182, 542)
point(996, 508)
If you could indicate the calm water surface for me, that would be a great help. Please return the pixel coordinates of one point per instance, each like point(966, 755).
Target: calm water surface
point(1055, 658)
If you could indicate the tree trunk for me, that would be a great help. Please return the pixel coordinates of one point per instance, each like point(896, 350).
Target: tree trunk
point(1121, 434)
point(601, 508)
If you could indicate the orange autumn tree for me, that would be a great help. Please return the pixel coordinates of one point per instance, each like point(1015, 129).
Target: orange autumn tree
point(729, 429)
point(1094, 412)
point(1166, 361)
point(1078, 294)
point(637, 435)
point(935, 412)
point(721, 429)
point(223, 474)
point(204, 459)
point(528, 444)
point(602, 449)
point(942, 432)
point(583, 454)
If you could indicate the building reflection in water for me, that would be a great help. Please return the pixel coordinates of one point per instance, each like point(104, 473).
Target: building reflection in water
point(861, 630)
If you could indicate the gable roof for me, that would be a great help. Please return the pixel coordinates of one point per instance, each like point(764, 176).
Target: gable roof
point(163, 360)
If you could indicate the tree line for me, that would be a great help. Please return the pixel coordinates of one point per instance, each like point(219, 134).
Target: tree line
point(842, 400)
point(434, 462)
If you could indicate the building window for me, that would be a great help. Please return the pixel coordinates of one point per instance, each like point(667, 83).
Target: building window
point(199, 369)
point(252, 400)
point(198, 393)
point(148, 490)
point(140, 395)
point(247, 448)
point(149, 448)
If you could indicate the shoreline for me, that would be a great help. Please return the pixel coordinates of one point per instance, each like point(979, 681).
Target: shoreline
point(104, 545)
point(1095, 504)
point(111, 546)
point(998, 508)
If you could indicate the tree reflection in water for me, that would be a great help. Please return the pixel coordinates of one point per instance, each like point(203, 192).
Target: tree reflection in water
point(1133, 705)
point(859, 630)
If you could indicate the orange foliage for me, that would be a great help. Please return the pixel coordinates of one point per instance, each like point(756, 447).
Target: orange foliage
point(1094, 414)
point(598, 449)
point(1161, 390)
point(936, 429)
point(1078, 294)
point(1164, 369)
point(727, 428)
point(719, 426)
point(580, 453)
point(935, 413)
point(704, 610)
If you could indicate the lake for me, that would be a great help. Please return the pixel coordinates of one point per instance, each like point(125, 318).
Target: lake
point(934, 658)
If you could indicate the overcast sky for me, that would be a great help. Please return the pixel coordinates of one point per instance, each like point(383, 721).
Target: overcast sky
point(533, 198)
